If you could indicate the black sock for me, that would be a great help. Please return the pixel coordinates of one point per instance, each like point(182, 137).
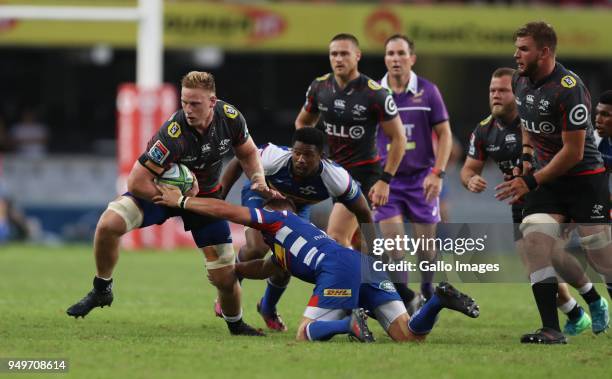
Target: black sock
point(545, 294)
point(103, 285)
point(575, 313)
point(591, 295)
point(404, 292)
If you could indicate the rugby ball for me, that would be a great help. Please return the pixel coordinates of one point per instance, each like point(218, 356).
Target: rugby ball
point(177, 175)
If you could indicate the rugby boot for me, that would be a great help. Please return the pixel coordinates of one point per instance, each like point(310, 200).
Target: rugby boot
point(600, 315)
point(274, 321)
point(241, 328)
point(545, 336)
point(359, 327)
point(575, 327)
point(94, 298)
point(452, 298)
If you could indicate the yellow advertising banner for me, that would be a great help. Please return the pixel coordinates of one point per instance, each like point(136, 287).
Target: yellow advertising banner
point(307, 27)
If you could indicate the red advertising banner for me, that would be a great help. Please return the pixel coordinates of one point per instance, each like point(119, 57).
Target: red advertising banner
point(140, 112)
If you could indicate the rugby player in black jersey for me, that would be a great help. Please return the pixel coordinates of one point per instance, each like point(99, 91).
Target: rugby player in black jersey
point(569, 183)
point(349, 106)
point(499, 137)
point(198, 135)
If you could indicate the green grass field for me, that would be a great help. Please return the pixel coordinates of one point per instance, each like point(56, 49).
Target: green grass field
point(161, 325)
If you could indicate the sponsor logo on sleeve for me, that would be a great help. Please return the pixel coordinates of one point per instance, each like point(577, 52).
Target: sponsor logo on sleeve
point(486, 120)
point(230, 111)
point(390, 106)
point(337, 292)
point(472, 150)
point(353, 190)
point(373, 85)
point(158, 152)
point(174, 130)
point(568, 81)
point(579, 114)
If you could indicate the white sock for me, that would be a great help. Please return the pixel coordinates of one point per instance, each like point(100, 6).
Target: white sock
point(236, 318)
point(586, 288)
point(567, 307)
point(542, 274)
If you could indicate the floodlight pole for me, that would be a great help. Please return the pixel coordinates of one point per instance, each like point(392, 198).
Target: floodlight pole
point(148, 15)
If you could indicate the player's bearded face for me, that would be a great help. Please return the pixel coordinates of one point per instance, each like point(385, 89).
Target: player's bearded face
point(197, 104)
point(501, 98)
point(305, 159)
point(343, 57)
point(527, 56)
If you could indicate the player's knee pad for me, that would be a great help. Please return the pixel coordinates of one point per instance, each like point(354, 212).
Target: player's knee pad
point(541, 223)
point(225, 257)
point(127, 209)
point(596, 241)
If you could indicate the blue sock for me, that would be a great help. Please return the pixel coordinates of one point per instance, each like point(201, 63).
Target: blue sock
point(424, 319)
point(271, 297)
point(324, 330)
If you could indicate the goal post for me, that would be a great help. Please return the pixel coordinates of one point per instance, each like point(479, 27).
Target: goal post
point(141, 107)
point(148, 15)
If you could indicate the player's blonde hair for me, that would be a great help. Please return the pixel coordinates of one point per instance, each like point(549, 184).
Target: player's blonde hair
point(199, 79)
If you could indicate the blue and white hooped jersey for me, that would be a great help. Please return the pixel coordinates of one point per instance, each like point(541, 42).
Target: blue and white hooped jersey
point(605, 148)
point(331, 180)
point(297, 245)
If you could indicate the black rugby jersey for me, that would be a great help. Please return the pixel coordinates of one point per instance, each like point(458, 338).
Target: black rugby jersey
point(177, 142)
point(559, 102)
point(493, 139)
point(349, 116)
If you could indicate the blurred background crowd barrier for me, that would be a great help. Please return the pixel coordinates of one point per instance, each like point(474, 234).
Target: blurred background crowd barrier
point(59, 83)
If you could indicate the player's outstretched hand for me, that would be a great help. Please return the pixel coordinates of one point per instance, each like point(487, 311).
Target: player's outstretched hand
point(169, 196)
point(379, 194)
point(477, 184)
point(513, 190)
point(266, 191)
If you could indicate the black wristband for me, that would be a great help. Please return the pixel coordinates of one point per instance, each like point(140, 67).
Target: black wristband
point(526, 157)
point(528, 145)
point(531, 181)
point(386, 177)
point(183, 201)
